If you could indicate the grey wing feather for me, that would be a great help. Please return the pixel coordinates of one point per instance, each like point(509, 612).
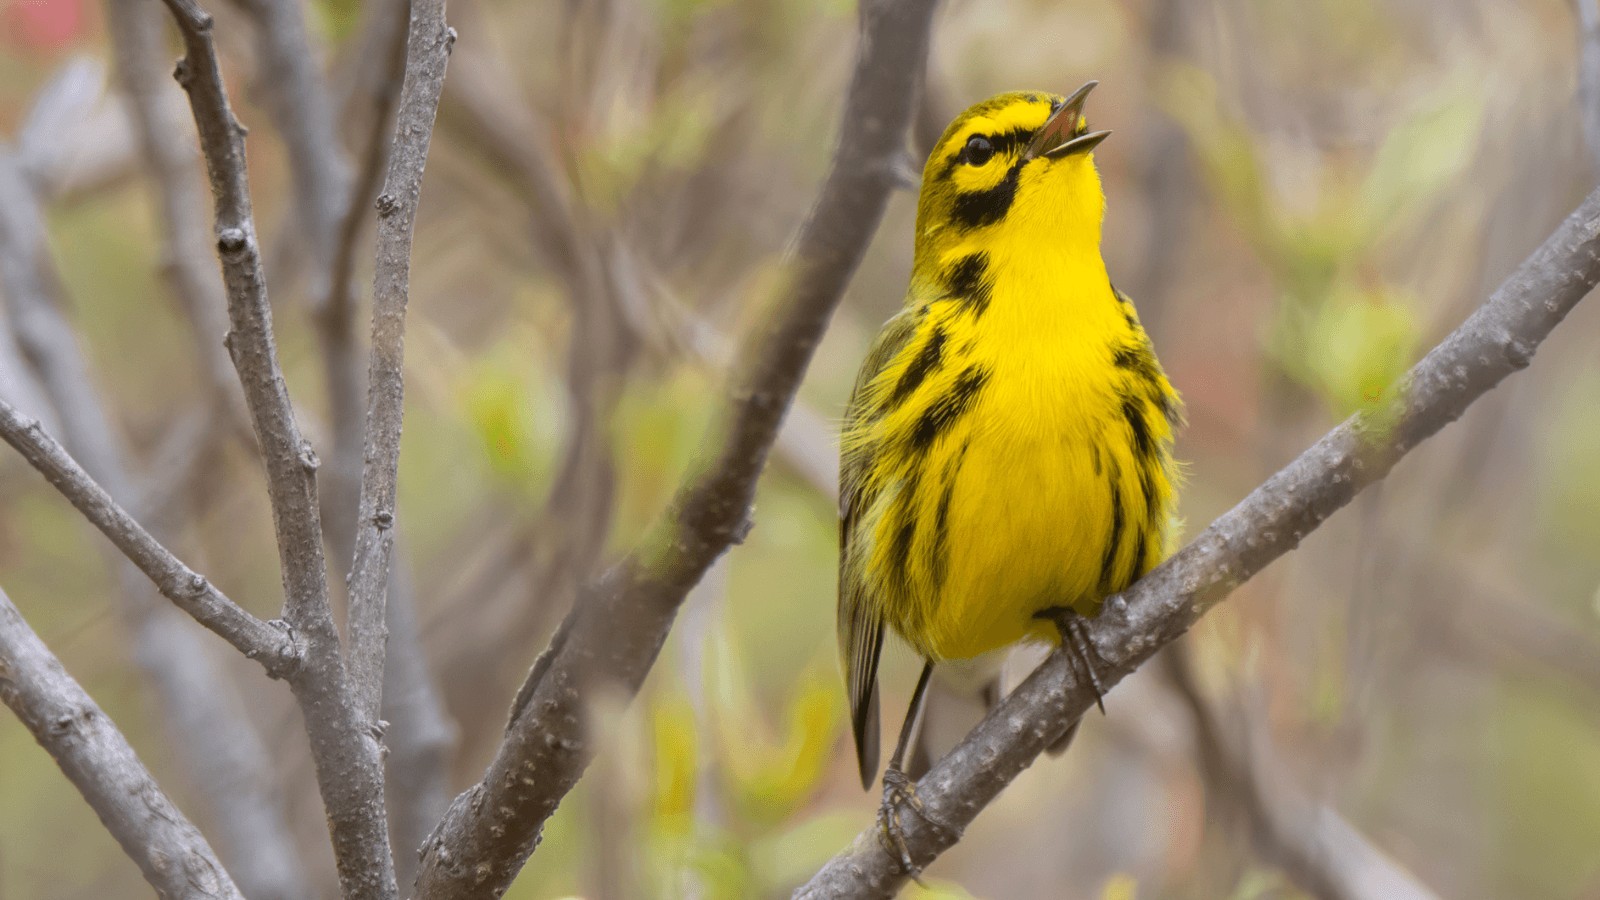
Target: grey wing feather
point(860, 613)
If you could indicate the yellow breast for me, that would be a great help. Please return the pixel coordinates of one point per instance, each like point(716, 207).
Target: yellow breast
point(1016, 476)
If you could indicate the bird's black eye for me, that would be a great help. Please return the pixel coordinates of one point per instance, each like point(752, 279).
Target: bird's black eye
point(978, 150)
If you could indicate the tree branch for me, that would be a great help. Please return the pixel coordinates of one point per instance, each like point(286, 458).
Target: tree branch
point(344, 748)
point(618, 625)
point(95, 757)
point(1498, 339)
point(217, 745)
point(427, 53)
point(261, 641)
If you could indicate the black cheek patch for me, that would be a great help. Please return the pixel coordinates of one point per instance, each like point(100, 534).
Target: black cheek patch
point(975, 209)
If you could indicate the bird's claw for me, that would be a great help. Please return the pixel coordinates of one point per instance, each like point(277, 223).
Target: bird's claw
point(1074, 631)
point(898, 790)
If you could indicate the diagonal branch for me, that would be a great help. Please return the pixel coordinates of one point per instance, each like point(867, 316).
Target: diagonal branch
point(428, 51)
point(1498, 339)
point(618, 625)
point(96, 758)
point(261, 641)
point(344, 748)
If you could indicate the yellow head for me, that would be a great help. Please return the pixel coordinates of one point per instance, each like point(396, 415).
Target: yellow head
point(1018, 166)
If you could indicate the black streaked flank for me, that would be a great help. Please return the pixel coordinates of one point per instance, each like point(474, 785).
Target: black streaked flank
point(926, 361)
point(948, 408)
point(1137, 562)
point(937, 558)
point(975, 209)
point(1147, 485)
point(1133, 411)
point(1138, 358)
point(1114, 539)
point(905, 528)
point(968, 280)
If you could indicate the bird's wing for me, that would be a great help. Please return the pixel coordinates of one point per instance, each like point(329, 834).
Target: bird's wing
point(861, 613)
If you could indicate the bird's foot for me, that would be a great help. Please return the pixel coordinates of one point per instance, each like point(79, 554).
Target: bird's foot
point(1074, 629)
point(899, 790)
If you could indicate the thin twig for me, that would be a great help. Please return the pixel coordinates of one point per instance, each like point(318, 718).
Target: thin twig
point(618, 625)
point(428, 51)
point(96, 758)
point(1495, 341)
point(345, 748)
point(1316, 847)
point(261, 641)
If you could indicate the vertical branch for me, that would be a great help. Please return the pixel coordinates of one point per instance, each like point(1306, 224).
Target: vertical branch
point(617, 627)
point(428, 51)
point(333, 210)
point(96, 758)
point(344, 748)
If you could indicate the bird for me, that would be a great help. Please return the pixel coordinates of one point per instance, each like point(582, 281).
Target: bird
point(1006, 455)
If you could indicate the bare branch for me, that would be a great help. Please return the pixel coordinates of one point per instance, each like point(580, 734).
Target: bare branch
point(260, 641)
point(95, 757)
point(618, 625)
point(428, 51)
point(291, 463)
point(345, 749)
point(1498, 339)
point(219, 747)
point(1322, 852)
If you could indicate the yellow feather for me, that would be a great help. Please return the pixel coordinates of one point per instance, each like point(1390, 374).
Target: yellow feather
point(1008, 445)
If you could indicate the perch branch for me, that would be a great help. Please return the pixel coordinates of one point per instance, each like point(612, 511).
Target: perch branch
point(619, 623)
point(96, 758)
point(1498, 339)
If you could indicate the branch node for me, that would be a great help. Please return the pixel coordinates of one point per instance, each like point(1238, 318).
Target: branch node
point(387, 204)
point(232, 241)
point(308, 457)
point(384, 519)
point(182, 73)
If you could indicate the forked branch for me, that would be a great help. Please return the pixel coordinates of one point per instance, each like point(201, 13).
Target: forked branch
point(344, 747)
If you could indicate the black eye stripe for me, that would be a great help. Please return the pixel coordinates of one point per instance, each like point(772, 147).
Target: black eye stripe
point(1004, 142)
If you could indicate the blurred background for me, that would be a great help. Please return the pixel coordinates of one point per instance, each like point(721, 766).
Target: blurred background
point(1302, 199)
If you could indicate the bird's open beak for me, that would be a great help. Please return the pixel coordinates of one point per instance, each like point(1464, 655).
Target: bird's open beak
point(1059, 136)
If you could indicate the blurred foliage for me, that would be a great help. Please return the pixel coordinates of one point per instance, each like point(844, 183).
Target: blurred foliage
point(1343, 180)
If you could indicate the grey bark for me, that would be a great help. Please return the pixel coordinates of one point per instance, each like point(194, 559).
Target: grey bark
point(92, 753)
